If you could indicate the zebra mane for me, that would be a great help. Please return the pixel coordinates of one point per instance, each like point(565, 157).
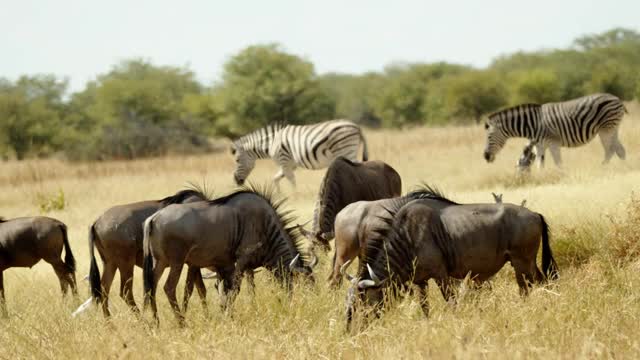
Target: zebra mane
point(516, 109)
point(265, 130)
point(285, 217)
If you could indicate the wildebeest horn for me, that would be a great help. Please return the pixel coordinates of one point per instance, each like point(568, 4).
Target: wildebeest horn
point(363, 284)
point(343, 271)
point(292, 264)
point(373, 275)
point(497, 197)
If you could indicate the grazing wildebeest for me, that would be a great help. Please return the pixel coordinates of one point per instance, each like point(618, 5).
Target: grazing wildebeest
point(25, 241)
point(347, 182)
point(358, 221)
point(117, 234)
point(233, 234)
point(421, 242)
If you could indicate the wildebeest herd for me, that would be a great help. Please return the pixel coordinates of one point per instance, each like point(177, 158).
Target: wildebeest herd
point(401, 241)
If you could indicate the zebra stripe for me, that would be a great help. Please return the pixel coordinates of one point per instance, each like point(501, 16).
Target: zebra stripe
point(562, 124)
point(292, 146)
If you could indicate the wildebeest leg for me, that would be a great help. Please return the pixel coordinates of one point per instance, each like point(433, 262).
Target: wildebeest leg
point(61, 271)
point(252, 283)
point(230, 279)
point(194, 278)
point(107, 278)
point(525, 275)
point(158, 269)
point(338, 260)
point(423, 292)
point(126, 286)
point(170, 290)
point(446, 288)
point(3, 302)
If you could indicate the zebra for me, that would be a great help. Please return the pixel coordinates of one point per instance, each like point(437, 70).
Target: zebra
point(291, 146)
point(570, 124)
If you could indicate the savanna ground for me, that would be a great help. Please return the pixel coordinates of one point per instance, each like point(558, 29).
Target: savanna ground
point(592, 311)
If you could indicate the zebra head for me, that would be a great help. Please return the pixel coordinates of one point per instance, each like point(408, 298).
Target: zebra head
point(496, 138)
point(245, 163)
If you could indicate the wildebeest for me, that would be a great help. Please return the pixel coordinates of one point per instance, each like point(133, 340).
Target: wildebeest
point(422, 242)
point(347, 182)
point(27, 240)
point(233, 234)
point(358, 222)
point(117, 234)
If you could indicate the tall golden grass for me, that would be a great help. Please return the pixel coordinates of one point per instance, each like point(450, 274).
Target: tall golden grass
point(592, 311)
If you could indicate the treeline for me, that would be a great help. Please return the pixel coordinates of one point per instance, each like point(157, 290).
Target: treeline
point(141, 109)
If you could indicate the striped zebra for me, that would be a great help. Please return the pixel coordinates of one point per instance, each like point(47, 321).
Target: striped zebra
point(291, 146)
point(570, 123)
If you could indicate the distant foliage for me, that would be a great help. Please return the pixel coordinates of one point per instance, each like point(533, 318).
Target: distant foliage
point(51, 202)
point(263, 84)
point(140, 109)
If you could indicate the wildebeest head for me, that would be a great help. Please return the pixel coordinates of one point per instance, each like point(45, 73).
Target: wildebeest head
point(245, 163)
point(317, 238)
point(367, 290)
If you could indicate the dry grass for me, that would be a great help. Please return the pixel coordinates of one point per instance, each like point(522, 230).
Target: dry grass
point(592, 311)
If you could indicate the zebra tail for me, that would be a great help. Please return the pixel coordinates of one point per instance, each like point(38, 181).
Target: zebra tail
point(365, 151)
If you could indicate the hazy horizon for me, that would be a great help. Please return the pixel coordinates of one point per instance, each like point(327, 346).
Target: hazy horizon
point(80, 40)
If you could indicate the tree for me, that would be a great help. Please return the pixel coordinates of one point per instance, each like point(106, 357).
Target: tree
point(30, 115)
point(264, 84)
point(402, 99)
point(138, 109)
point(474, 94)
point(538, 86)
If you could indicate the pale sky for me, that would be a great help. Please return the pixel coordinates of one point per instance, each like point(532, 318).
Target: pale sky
point(81, 38)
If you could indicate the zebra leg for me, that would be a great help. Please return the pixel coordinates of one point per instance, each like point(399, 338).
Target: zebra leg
point(540, 150)
point(555, 153)
point(609, 143)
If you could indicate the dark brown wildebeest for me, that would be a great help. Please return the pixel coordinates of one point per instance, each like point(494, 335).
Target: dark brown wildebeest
point(359, 221)
point(347, 182)
point(25, 241)
point(233, 234)
point(422, 242)
point(117, 234)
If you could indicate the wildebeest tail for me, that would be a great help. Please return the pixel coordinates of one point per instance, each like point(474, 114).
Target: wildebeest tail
point(94, 271)
point(549, 266)
point(69, 260)
point(147, 263)
point(365, 150)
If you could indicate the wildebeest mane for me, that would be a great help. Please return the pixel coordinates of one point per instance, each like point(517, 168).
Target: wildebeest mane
point(182, 195)
point(328, 191)
point(285, 217)
point(389, 251)
point(426, 191)
point(393, 240)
